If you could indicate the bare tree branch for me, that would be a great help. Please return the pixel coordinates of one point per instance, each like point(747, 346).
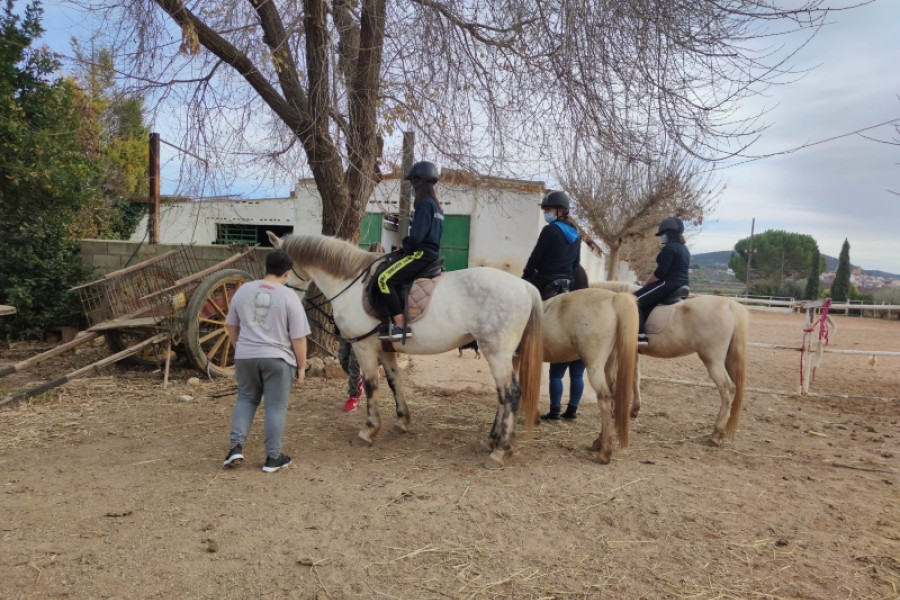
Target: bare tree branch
point(502, 87)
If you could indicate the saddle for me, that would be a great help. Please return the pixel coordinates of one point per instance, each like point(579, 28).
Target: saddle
point(677, 296)
point(659, 316)
point(415, 296)
point(555, 288)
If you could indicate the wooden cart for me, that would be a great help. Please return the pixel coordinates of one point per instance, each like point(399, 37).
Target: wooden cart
point(152, 308)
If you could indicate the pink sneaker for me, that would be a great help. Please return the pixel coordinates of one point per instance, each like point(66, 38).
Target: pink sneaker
point(351, 404)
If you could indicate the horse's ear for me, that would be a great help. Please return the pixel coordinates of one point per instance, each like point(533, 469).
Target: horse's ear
point(274, 239)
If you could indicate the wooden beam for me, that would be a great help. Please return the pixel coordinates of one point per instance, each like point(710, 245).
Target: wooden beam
point(80, 339)
point(153, 216)
point(91, 368)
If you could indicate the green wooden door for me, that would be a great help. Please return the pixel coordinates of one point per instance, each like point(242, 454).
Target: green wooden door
point(455, 242)
point(370, 230)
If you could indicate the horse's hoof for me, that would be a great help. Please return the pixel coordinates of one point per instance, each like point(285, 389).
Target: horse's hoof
point(494, 461)
point(485, 446)
point(604, 458)
point(399, 428)
point(634, 413)
point(717, 439)
point(362, 440)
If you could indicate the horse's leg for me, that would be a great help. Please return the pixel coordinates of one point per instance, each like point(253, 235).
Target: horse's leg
point(503, 433)
point(367, 357)
point(395, 379)
point(636, 398)
point(716, 369)
point(489, 444)
point(596, 371)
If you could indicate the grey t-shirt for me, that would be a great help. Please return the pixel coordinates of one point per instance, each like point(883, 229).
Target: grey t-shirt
point(270, 316)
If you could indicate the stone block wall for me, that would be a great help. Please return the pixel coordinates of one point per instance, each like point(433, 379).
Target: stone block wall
point(106, 256)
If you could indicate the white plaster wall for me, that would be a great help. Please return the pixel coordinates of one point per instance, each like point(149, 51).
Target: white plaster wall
point(594, 265)
point(504, 225)
point(186, 222)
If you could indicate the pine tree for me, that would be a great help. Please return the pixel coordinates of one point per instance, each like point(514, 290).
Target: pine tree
point(812, 283)
point(840, 289)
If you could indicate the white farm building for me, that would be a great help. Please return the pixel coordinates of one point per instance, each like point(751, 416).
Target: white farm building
point(487, 221)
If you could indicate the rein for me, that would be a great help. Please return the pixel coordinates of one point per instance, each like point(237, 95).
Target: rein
point(330, 317)
point(347, 287)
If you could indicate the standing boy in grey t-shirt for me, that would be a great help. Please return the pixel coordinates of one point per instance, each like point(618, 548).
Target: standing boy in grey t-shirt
point(268, 327)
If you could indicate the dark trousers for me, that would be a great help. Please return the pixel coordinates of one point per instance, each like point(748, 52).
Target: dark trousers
point(402, 271)
point(649, 296)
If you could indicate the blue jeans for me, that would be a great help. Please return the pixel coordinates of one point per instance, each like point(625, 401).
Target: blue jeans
point(258, 377)
point(576, 383)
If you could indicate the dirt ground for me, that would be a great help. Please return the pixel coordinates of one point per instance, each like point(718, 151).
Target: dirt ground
point(112, 487)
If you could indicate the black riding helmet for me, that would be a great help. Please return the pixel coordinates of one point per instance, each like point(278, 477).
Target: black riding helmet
point(670, 224)
point(556, 200)
point(423, 172)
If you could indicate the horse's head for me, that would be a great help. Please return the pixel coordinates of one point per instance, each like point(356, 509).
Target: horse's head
point(329, 261)
point(298, 278)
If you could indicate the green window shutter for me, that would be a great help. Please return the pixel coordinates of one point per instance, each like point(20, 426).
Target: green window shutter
point(455, 242)
point(370, 230)
point(233, 233)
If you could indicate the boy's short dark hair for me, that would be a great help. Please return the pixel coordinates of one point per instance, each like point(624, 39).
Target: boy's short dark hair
point(278, 263)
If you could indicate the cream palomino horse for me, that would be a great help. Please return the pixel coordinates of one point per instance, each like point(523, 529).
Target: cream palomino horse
point(578, 325)
point(500, 311)
point(713, 327)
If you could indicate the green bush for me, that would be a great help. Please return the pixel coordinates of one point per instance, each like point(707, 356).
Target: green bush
point(45, 180)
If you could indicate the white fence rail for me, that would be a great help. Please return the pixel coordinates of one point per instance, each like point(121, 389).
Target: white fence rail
point(792, 304)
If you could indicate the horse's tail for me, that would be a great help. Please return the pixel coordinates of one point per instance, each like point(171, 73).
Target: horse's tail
point(531, 358)
point(735, 365)
point(625, 305)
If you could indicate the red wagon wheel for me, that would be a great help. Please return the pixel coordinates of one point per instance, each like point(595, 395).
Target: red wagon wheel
point(205, 336)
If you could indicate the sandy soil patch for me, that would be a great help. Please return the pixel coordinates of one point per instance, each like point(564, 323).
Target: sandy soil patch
point(112, 487)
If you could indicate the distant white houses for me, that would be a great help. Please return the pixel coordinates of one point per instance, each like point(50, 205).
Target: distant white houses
point(487, 221)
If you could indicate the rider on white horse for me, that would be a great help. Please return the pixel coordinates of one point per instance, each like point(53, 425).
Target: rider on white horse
point(672, 265)
point(421, 248)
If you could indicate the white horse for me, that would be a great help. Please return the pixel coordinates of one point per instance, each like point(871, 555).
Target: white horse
point(498, 310)
point(713, 327)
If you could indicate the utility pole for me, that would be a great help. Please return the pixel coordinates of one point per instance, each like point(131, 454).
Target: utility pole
point(153, 215)
point(409, 142)
point(749, 256)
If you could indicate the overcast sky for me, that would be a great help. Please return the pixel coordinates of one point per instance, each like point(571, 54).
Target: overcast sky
point(831, 191)
point(838, 189)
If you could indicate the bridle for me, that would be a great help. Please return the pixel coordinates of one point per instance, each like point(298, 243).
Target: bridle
point(318, 305)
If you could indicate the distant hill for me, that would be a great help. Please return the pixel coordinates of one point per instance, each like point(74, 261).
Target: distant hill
point(711, 260)
point(719, 260)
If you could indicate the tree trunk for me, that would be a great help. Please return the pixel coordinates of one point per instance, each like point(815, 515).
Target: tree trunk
point(612, 263)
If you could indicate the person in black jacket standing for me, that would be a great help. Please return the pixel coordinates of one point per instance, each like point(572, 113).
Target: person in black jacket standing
point(672, 265)
point(554, 267)
point(557, 252)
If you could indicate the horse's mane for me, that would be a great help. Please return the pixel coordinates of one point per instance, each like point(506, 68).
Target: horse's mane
point(334, 255)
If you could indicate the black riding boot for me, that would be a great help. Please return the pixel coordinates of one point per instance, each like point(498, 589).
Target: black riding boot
point(570, 413)
point(553, 415)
